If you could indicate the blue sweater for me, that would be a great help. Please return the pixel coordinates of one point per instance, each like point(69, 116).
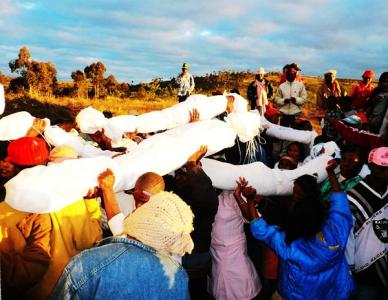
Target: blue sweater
point(315, 268)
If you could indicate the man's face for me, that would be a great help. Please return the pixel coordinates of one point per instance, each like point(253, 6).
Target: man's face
point(329, 78)
point(259, 77)
point(8, 169)
point(366, 80)
point(291, 75)
point(184, 70)
point(350, 165)
point(379, 173)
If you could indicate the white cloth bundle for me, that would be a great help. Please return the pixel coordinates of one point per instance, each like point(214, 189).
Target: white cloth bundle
point(2, 99)
point(49, 188)
point(266, 181)
point(289, 134)
point(56, 136)
point(245, 124)
point(167, 151)
point(90, 120)
point(16, 125)
point(43, 189)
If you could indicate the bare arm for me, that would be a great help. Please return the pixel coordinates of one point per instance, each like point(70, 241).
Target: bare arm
point(106, 181)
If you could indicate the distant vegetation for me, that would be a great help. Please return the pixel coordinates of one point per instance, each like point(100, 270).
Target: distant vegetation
point(37, 90)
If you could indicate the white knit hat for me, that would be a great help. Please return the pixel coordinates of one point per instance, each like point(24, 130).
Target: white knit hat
point(163, 223)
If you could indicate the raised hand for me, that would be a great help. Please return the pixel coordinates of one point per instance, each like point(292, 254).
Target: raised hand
point(198, 155)
point(331, 165)
point(194, 115)
point(106, 179)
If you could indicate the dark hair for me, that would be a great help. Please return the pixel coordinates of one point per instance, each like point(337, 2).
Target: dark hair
point(235, 90)
point(306, 216)
point(3, 149)
point(320, 139)
point(301, 149)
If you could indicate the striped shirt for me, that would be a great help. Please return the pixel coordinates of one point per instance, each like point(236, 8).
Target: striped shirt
point(368, 242)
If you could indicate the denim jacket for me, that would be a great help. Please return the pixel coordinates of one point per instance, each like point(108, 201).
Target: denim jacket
point(121, 268)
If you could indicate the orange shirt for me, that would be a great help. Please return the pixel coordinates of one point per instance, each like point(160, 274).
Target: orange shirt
point(360, 94)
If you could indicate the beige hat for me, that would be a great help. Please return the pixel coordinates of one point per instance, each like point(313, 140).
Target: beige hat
point(333, 72)
point(261, 71)
point(163, 223)
point(61, 153)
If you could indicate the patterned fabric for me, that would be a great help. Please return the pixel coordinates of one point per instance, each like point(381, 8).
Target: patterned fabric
point(186, 84)
point(368, 242)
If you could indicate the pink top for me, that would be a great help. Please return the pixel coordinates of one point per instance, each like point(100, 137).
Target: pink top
point(233, 274)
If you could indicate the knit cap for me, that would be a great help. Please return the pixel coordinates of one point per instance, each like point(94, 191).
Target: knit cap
point(28, 151)
point(163, 223)
point(379, 156)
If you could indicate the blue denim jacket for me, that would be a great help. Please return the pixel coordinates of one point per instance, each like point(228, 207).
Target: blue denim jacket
point(120, 268)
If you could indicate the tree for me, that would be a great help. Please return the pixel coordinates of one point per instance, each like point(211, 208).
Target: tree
point(22, 63)
point(41, 76)
point(80, 83)
point(34, 75)
point(95, 72)
point(111, 84)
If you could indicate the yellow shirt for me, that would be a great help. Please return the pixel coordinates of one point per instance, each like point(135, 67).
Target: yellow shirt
point(74, 228)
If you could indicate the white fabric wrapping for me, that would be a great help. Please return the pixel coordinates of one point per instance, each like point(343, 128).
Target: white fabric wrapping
point(289, 134)
point(90, 120)
point(49, 188)
point(15, 126)
point(2, 99)
point(245, 124)
point(266, 181)
point(167, 151)
point(56, 136)
point(43, 189)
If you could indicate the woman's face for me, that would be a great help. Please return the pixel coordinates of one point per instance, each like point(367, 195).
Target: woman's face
point(294, 152)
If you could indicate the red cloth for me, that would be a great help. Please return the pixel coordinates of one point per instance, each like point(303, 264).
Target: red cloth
point(28, 151)
point(271, 111)
point(360, 94)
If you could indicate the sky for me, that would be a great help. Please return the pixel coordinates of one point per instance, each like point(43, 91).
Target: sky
point(141, 40)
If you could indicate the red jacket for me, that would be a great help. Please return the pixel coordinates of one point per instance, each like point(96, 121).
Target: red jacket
point(360, 94)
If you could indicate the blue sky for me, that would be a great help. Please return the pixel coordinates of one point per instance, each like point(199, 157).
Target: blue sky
point(141, 40)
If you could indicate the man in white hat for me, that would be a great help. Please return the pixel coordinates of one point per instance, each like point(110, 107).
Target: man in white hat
point(330, 87)
point(259, 91)
point(186, 83)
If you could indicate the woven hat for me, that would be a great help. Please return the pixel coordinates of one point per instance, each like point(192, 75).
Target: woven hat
point(163, 223)
point(185, 66)
point(27, 151)
point(333, 72)
point(379, 156)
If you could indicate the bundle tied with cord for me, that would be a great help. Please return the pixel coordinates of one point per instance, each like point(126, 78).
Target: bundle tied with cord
point(247, 127)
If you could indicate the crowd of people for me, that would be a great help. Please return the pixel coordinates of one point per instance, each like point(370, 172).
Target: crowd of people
point(177, 236)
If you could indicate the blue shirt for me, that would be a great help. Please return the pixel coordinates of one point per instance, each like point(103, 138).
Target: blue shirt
point(121, 268)
point(315, 268)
